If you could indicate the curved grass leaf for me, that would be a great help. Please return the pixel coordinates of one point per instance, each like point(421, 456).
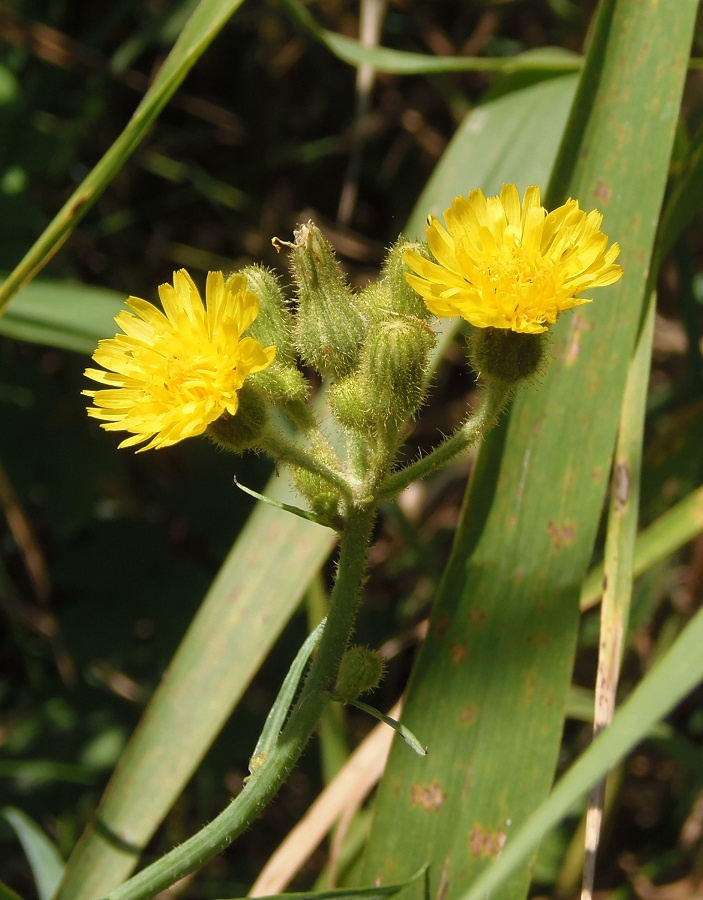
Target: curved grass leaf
point(401, 62)
point(377, 892)
point(43, 857)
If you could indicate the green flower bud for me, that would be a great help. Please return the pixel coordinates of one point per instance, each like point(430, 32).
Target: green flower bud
point(396, 294)
point(323, 499)
point(360, 671)
point(505, 355)
point(348, 403)
point(274, 323)
point(282, 384)
point(241, 431)
point(330, 324)
point(395, 370)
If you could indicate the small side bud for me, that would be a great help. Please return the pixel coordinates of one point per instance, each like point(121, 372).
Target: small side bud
point(282, 384)
point(394, 369)
point(241, 431)
point(323, 499)
point(505, 355)
point(399, 296)
point(348, 403)
point(330, 324)
point(274, 323)
point(360, 671)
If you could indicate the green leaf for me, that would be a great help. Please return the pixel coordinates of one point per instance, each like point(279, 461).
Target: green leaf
point(43, 857)
point(277, 715)
point(377, 892)
point(7, 893)
point(490, 685)
point(62, 314)
point(399, 62)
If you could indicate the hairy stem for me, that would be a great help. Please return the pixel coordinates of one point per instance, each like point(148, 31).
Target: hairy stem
point(497, 394)
point(274, 770)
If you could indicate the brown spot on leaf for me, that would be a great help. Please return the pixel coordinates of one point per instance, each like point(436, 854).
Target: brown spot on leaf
point(483, 842)
point(602, 193)
point(561, 535)
point(430, 796)
point(441, 625)
point(477, 616)
point(457, 651)
point(467, 714)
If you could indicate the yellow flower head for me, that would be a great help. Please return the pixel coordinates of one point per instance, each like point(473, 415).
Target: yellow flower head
point(172, 373)
point(502, 264)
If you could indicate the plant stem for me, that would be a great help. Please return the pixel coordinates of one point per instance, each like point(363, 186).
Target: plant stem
point(264, 784)
point(282, 448)
point(497, 394)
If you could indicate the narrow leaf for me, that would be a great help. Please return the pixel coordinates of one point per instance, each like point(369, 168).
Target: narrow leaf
point(43, 857)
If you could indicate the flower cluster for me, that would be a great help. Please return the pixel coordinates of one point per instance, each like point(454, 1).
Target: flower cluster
point(507, 267)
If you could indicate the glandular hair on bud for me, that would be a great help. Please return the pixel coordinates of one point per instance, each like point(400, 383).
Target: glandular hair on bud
point(274, 323)
point(241, 431)
point(331, 322)
point(395, 369)
point(360, 671)
point(504, 355)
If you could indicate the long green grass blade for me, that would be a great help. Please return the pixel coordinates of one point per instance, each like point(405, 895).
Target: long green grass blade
point(254, 595)
point(401, 62)
point(677, 673)
point(201, 28)
point(202, 687)
point(491, 682)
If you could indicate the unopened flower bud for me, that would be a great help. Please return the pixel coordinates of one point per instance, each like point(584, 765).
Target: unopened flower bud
point(274, 323)
point(504, 355)
point(241, 431)
point(347, 400)
point(360, 671)
point(323, 499)
point(396, 294)
point(330, 323)
point(395, 369)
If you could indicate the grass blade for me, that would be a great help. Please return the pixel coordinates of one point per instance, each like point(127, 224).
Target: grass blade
point(674, 676)
point(44, 859)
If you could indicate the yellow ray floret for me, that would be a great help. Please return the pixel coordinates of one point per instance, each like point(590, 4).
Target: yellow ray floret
point(503, 264)
point(171, 373)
